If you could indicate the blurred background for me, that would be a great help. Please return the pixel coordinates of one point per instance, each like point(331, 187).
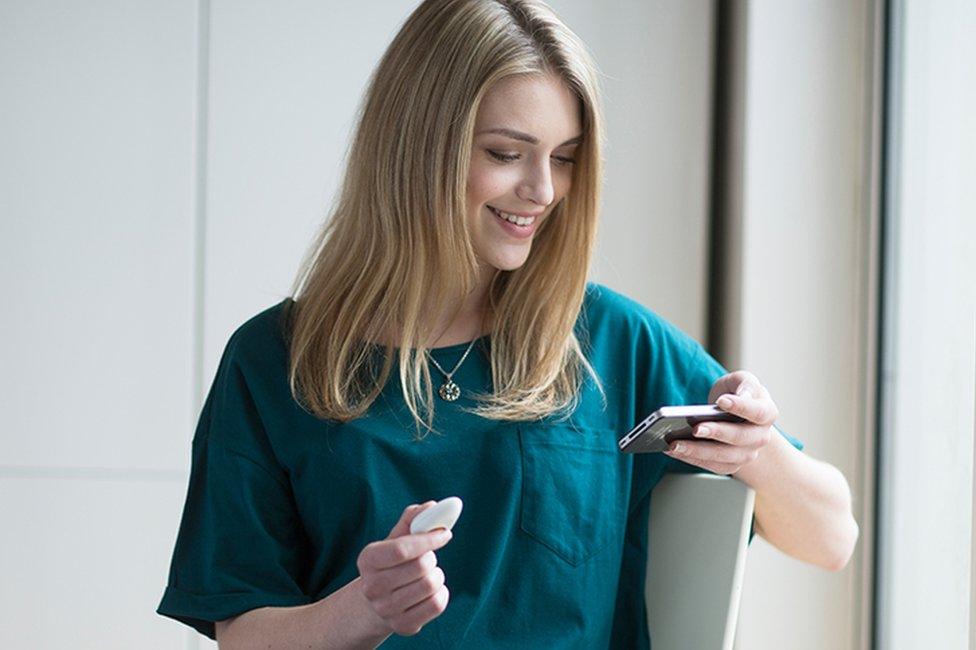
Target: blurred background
point(789, 181)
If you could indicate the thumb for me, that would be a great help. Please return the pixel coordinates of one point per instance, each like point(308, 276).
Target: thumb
point(402, 527)
point(745, 389)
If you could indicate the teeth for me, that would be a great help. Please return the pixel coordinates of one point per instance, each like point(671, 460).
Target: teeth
point(511, 218)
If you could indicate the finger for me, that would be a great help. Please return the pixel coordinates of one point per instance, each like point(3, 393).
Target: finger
point(745, 390)
point(742, 435)
point(431, 607)
point(717, 468)
point(759, 411)
point(725, 469)
point(392, 552)
point(417, 591)
point(712, 452)
point(402, 526)
point(731, 382)
point(380, 583)
point(413, 620)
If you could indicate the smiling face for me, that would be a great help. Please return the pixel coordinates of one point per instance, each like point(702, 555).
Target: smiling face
point(525, 136)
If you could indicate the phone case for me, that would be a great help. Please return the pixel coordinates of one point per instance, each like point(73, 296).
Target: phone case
point(670, 423)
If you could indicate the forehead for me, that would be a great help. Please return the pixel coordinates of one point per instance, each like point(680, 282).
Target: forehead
point(542, 106)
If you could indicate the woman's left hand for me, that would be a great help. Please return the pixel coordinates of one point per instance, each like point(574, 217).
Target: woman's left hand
point(725, 447)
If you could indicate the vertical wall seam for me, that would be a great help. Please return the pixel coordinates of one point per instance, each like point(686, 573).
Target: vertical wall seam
point(972, 548)
point(200, 197)
point(716, 289)
point(869, 324)
point(887, 311)
point(200, 221)
point(725, 292)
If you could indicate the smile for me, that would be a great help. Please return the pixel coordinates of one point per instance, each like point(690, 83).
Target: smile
point(511, 218)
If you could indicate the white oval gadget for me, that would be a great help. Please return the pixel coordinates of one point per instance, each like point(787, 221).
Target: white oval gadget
point(443, 514)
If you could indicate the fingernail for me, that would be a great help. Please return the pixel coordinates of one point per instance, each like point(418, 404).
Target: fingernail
point(703, 432)
point(725, 402)
point(679, 448)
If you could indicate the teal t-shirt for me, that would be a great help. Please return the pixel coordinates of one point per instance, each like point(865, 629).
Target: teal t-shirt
point(551, 546)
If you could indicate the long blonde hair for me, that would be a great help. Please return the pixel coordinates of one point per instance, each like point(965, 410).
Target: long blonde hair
point(396, 247)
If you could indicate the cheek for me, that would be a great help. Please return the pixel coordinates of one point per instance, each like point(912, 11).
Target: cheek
point(485, 184)
point(563, 185)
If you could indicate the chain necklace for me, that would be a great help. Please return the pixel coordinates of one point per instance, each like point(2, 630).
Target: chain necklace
point(450, 391)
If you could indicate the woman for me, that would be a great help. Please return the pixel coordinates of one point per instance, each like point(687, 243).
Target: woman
point(443, 340)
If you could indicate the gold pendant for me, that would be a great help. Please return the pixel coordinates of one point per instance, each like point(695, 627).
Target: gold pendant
point(449, 391)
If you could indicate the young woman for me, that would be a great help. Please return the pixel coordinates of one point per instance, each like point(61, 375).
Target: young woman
point(443, 340)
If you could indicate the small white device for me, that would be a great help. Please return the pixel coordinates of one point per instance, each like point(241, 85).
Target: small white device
point(443, 514)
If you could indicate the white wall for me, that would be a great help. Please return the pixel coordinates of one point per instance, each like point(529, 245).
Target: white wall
point(285, 80)
point(657, 58)
point(929, 397)
point(96, 241)
point(802, 255)
point(144, 247)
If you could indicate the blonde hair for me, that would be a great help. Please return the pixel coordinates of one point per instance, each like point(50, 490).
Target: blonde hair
point(396, 247)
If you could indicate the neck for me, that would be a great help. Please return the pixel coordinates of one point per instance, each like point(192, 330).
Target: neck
point(460, 322)
point(464, 320)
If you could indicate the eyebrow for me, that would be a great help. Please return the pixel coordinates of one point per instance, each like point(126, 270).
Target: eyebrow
point(525, 137)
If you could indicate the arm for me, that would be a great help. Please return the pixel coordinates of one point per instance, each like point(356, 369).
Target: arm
point(400, 589)
point(344, 619)
point(803, 505)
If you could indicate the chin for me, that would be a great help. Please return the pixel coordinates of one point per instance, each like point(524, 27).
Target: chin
point(507, 262)
point(512, 265)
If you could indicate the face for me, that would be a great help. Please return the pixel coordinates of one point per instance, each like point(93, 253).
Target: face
point(525, 137)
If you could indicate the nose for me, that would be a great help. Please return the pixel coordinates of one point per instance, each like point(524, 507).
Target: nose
point(537, 185)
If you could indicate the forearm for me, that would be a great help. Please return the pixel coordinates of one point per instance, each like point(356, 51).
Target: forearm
point(803, 506)
point(344, 619)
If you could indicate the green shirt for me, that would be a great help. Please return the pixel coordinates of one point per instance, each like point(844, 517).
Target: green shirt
point(552, 543)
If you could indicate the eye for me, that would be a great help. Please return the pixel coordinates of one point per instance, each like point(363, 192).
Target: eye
point(502, 157)
point(561, 160)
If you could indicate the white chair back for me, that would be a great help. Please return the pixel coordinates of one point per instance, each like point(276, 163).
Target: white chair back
point(697, 540)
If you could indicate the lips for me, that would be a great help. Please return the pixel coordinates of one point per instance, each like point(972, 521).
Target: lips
point(514, 230)
point(529, 220)
point(514, 214)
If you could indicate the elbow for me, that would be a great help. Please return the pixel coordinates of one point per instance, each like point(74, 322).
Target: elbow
point(843, 548)
point(226, 633)
point(844, 538)
point(220, 634)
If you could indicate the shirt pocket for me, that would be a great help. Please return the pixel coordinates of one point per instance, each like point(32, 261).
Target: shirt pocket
point(573, 497)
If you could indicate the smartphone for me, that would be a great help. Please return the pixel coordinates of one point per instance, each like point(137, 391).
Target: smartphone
point(669, 423)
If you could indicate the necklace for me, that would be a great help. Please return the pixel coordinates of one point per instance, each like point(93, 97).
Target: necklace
point(450, 391)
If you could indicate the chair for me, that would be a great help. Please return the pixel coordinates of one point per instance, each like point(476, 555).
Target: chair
point(697, 540)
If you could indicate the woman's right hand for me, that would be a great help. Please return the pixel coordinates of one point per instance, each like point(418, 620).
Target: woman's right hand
point(400, 577)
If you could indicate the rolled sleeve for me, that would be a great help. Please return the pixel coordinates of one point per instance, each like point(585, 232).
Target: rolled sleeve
point(241, 544)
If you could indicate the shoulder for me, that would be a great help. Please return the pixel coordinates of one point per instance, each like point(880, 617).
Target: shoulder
point(253, 369)
point(610, 315)
point(250, 389)
point(643, 352)
point(603, 304)
point(262, 338)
